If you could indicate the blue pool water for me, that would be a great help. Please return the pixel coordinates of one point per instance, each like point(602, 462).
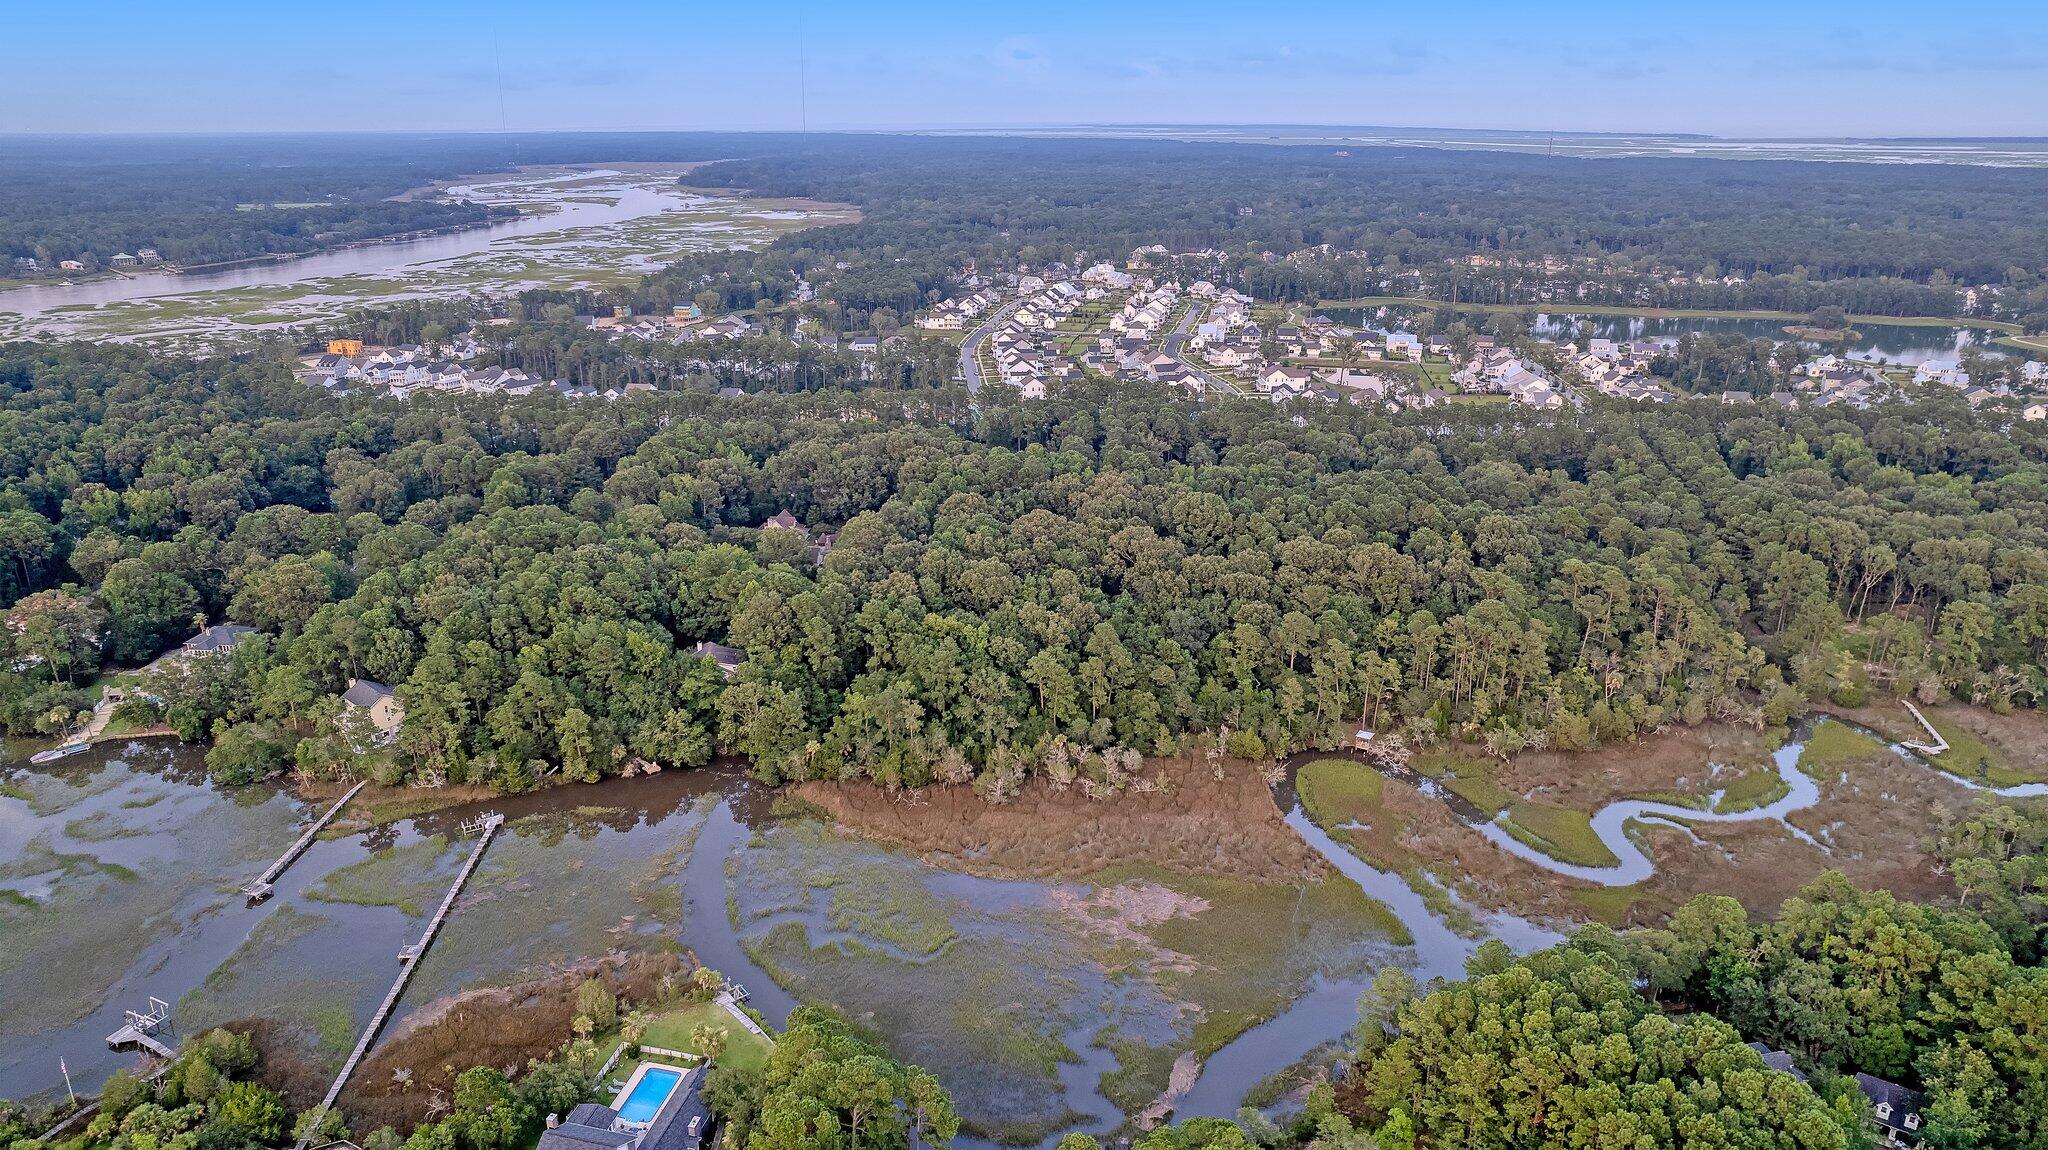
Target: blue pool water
point(648, 1094)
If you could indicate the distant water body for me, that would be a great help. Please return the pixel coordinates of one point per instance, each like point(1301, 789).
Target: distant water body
point(2017, 152)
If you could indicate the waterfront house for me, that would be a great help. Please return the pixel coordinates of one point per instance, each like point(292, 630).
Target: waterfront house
point(373, 701)
point(1894, 1109)
point(681, 1120)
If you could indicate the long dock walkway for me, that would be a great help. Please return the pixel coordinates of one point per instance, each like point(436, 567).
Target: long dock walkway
point(262, 887)
point(408, 959)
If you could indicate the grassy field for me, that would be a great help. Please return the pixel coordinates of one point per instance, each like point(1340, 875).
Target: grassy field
point(406, 877)
point(1256, 944)
point(676, 1030)
point(1469, 778)
point(1612, 904)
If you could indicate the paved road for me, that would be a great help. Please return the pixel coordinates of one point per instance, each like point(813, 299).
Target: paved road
point(970, 352)
point(1179, 338)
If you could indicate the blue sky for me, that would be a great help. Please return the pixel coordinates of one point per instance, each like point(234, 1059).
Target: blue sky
point(1795, 67)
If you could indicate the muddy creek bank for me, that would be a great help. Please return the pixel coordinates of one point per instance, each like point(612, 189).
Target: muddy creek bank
point(1062, 963)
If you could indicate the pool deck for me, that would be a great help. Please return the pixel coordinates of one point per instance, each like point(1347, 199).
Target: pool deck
point(682, 1080)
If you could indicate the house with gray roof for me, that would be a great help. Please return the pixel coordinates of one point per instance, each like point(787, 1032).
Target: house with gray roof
point(371, 701)
point(684, 1122)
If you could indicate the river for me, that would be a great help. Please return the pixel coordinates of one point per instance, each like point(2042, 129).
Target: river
point(626, 202)
point(584, 228)
point(1035, 1001)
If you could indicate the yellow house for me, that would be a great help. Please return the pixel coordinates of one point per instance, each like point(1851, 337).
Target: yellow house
point(347, 347)
point(377, 701)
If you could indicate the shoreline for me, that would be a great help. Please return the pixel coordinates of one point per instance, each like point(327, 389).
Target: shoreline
point(279, 258)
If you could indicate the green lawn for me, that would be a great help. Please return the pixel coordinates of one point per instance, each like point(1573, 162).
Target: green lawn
point(675, 1030)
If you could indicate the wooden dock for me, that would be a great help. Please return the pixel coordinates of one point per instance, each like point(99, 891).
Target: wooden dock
point(140, 1029)
point(262, 887)
point(1936, 744)
point(730, 998)
point(484, 827)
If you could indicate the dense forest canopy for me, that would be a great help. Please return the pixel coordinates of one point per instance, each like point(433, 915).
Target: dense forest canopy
point(987, 589)
point(1886, 238)
point(1084, 579)
point(1755, 217)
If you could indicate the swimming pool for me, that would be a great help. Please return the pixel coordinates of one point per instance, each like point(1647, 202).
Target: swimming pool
point(641, 1100)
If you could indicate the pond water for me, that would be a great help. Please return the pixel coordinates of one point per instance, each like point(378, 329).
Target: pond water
point(1045, 1006)
point(1905, 344)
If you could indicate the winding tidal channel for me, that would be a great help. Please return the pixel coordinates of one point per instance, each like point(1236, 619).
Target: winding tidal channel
point(120, 869)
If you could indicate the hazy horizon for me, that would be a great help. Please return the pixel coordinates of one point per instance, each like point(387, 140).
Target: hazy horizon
point(1826, 70)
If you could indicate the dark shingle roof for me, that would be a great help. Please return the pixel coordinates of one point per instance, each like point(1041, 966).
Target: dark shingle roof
point(365, 693)
point(593, 1114)
point(1901, 1105)
point(218, 637)
point(1778, 1060)
point(567, 1137)
point(588, 1127)
point(683, 1123)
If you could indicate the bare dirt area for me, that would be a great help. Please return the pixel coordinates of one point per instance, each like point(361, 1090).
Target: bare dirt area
point(1197, 824)
point(497, 1026)
point(1677, 763)
point(282, 1064)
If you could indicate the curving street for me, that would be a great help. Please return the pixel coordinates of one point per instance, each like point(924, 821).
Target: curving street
point(970, 352)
